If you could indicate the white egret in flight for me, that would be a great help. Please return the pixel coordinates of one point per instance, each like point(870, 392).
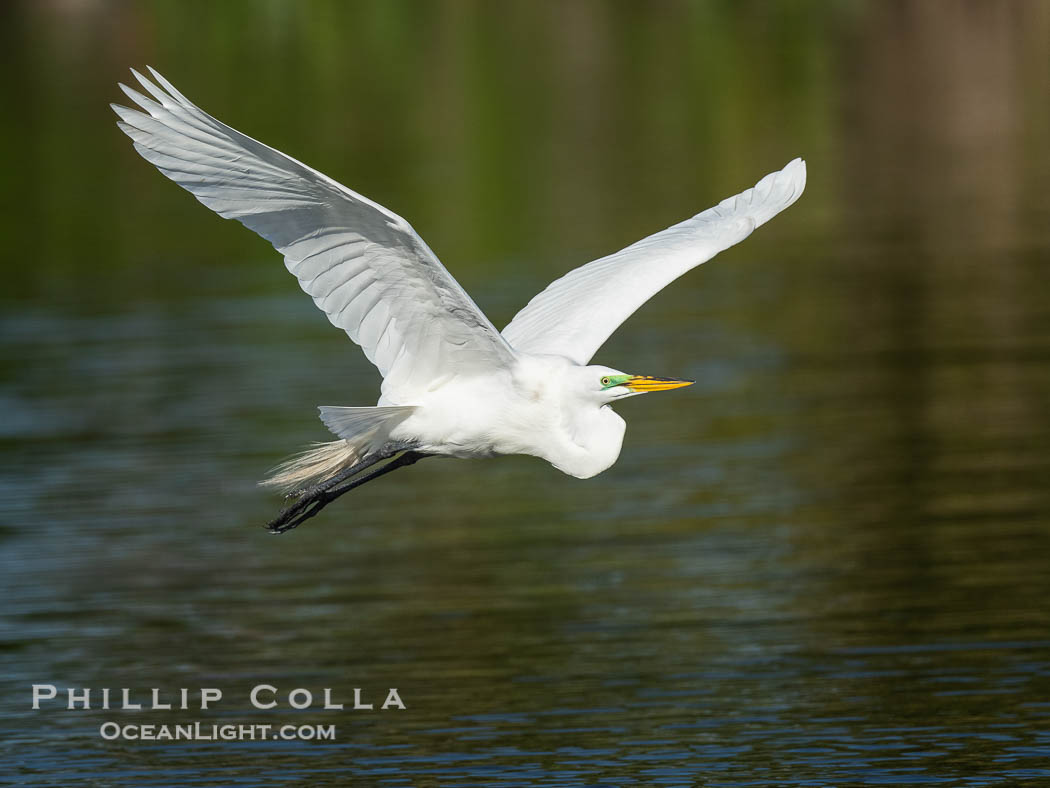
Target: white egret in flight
point(453, 385)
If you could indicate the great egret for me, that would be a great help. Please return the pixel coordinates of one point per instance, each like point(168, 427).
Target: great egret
point(453, 385)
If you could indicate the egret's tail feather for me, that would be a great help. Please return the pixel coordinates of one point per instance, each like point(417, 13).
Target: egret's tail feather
point(364, 425)
point(363, 432)
point(312, 466)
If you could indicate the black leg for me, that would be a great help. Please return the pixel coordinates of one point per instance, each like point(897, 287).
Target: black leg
point(316, 498)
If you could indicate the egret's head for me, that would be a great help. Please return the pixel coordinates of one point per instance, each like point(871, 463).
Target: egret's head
point(609, 384)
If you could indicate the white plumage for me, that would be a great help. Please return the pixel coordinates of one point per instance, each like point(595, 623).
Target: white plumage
point(452, 384)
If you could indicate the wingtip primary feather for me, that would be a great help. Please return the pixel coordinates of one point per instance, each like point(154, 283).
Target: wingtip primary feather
point(172, 90)
point(164, 99)
point(152, 107)
point(777, 190)
point(798, 172)
point(797, 175)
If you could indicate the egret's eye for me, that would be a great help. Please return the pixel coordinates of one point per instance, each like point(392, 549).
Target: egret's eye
point(606, 381)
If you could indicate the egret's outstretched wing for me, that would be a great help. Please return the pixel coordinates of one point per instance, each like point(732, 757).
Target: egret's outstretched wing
point(364, 266)
point(578, 312)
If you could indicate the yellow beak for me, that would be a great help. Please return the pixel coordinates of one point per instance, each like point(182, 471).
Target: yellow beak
point(643, 384)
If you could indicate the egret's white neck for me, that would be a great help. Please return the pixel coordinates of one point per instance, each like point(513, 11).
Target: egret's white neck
point(597, 436)
point(556, 419)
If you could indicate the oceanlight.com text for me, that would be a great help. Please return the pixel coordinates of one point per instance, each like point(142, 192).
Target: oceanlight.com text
point(197, 731)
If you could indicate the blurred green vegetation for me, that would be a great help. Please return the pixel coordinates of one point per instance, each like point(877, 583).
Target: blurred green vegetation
point(534, 134)
point(522, 138)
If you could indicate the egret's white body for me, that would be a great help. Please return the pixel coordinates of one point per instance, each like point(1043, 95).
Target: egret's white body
point(534, 408)
point(452, 384)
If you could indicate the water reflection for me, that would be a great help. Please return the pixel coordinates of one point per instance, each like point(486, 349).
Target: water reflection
point(825, 565)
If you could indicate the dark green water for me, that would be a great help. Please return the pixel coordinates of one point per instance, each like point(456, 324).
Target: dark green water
point(826, 564)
